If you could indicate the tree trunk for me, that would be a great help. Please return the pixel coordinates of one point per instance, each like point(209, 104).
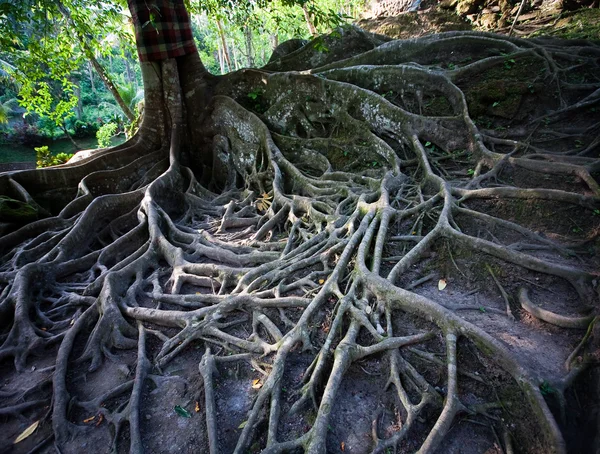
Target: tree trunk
point(249, 51)
point(225, 48)
point(274, 41)
point(91, 76)
point(236, 59)
point(70, 137)
point(79, 107)
point(311, 28)
point(109, 84)
point(221, 59)
point(130, 74)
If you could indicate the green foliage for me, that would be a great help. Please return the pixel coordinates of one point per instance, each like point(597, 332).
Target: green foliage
point(320, 46)
point(546, 389)
point(6, 108)
point(105, 133)
point(45, 47)
point(509, 63)
point(182, 411)
point(45, 158)
point(255, 94)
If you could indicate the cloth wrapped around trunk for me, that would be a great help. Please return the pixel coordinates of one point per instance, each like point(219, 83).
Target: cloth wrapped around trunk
point(162, 29)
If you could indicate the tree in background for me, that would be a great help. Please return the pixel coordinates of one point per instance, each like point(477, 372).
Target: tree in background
point(340, 251)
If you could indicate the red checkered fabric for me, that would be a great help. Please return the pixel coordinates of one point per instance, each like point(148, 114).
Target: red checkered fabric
point(162, 29)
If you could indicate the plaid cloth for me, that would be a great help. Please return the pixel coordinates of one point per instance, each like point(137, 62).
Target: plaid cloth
point(162, 29)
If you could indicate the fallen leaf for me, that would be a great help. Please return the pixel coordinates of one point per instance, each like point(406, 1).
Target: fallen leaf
point(27, 432)
point(72, 322)
point(343, 446)
point(182, 411)
point(321, 281)
point(256, 384)
point(368, 310)
point(242, 425)
point(90, 419)
point(197, 407)
point(100, 419)
point(442, 284)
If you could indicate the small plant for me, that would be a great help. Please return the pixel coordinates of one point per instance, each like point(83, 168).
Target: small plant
point(320, 46)
point(105, 133)
point(432, 147)
point(451, 66)
point(546, 389)
point(596, 212)
point(509, 63)
point(255, 94)
point(496, 104)
point(471, 172)
point(45, 158)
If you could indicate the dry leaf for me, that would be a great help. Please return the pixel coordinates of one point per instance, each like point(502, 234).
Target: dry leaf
point(90, 419)
point(242, 425)
point(72, 322)
point(442, 284)
point(343, 446)
point(100, 419)
point(256, 384)
point(368, 310)
point(27, 432)
point(321, 281)
point(197, 407)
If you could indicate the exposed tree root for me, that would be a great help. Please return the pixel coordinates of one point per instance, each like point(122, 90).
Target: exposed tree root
point(324, 219)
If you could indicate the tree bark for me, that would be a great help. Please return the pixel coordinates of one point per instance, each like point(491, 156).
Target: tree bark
point(79, 106)
point(249, 53)
point(311, 27)
point(224, 44)
point(91, 75)
point(221, 59)
point(109, 84)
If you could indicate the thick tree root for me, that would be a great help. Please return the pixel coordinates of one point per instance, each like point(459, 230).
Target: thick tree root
point(335, 227)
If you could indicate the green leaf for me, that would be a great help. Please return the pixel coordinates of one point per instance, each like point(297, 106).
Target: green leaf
point(182, 411)
point(495, 104)
point(427, 144)
point(242, 425)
